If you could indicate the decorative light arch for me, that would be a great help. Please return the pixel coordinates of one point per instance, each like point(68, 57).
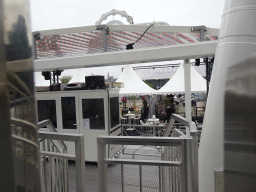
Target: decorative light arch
point(115, 22)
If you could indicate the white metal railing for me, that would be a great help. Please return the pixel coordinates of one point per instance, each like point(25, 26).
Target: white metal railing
point(178, 167)
point(144, 130)
point(191, 130)
point(55, 160)
point(154, 141)
point(55, 144)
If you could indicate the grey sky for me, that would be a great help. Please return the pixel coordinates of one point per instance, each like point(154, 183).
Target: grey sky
point(54, 14)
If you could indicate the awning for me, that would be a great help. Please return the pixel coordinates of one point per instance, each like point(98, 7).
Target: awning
point(77, 43)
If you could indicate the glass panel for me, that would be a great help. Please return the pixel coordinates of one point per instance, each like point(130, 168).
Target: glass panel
point(93, 114)
point(46, 109)
point(114, 111)
point(68, 106)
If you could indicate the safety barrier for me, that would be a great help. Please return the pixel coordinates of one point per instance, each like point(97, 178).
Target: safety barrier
point(55, 159)
point(178, 167)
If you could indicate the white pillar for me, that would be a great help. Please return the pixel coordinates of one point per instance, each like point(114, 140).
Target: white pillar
point(187, 82)
point(236, 43)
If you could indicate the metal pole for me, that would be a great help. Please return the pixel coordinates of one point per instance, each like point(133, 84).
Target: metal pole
point(201, 28)
point(196, 112)
point(184, 166)
point(54, 73)
point(50, 80)
point(52, 172)
point(160, 178)
point(201, 34)
point(102, 168)
point(195, 159)
point(122, 177)
point(105, 33)
point(187, 81)
point(207, 74)
point(80, 164)
point(140, 178)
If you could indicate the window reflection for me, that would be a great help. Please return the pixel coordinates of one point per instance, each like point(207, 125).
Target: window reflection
point(47, 110)
point(93, 113)
point(68, 106)
point(114, 111)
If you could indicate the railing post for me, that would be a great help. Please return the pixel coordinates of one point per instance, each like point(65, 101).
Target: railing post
point(80, 164)
point(102, 168)
point(53, 181)
point(140, 170)
point(187, 165)
point(65, 167)
point(160, 179)
point(122, 177)
point(194, 146)
point(184, 165)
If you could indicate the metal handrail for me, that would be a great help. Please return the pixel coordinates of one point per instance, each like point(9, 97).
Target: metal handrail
point(175, 117)
point(78, 157)
point(192, 131)
point(51, 128)
point(184, 142)
point(142, 129)
point(189, 151)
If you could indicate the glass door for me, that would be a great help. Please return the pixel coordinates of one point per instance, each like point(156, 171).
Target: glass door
point(68, 103)
point(47, 108)
point(93, 112)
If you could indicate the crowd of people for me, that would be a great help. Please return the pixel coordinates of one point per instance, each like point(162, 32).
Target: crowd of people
point(163, 108)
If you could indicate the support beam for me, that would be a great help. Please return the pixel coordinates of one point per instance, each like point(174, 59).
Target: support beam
point(105, 33)
point(164, 53)
point(129, 28)
point(187, 82)
point(201, 29)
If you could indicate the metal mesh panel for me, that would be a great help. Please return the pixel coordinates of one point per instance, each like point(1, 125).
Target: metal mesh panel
point(114, 178)
point(135, 177)
point(150, 178)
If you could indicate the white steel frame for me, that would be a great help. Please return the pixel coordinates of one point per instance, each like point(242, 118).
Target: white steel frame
point(78, 139)
point(130, 28)
point(153, 54)
point(188, 160)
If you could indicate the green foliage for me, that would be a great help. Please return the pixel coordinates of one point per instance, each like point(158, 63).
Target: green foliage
point(65, 79)
point(167, 102)
point(149, 84)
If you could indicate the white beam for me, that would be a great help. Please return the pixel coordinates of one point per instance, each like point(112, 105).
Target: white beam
point(129, 28)
point(155, 54)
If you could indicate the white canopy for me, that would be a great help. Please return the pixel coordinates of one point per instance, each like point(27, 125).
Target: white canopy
point(176, 83)
point(39, 80)
point(79, 77)
point(133, 85)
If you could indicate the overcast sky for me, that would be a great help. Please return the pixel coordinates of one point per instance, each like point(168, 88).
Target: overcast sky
point(55, 14)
